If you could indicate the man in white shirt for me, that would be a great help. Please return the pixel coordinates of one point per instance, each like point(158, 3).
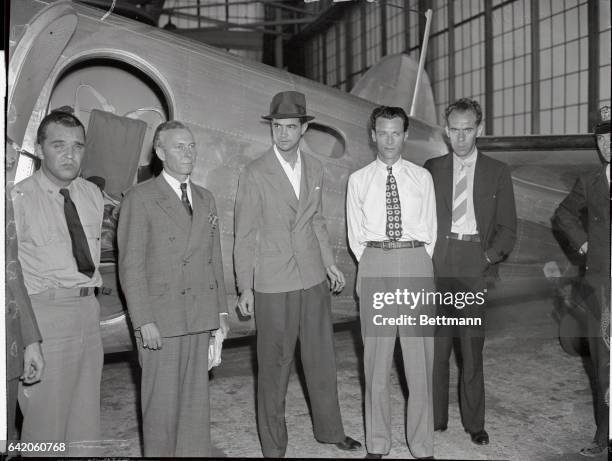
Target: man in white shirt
point(391, 216)
point(283, 258)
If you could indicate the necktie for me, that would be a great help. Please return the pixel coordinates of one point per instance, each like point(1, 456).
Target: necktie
point(394, 209)
point(185, 199)
point(80, 248)
point(461, 197)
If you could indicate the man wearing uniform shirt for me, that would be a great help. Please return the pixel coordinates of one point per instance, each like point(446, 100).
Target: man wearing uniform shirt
point(591, 195)
point(476, 230)
point(391, 216)
point(58, 217)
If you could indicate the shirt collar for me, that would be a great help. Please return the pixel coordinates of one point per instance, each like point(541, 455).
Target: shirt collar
point(397, 166)
point(280, 158)
point(468, 161)
point(174, 183)
point(49, 185)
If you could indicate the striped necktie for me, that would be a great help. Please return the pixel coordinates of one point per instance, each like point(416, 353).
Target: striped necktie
point(394, 209)
point(460, 201)
point(185, 199)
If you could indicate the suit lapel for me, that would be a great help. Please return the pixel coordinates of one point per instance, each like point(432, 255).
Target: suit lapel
point(171, 205)
point(279, 180)
point(447, 183)
point(307, 174)
point(480, 180)
point(601, 193)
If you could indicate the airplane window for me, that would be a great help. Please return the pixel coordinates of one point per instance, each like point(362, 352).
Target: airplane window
point(324, 140)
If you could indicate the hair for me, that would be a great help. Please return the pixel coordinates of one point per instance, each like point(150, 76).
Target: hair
point(165, 126)
point(59, 117)
point(388, 112)
point(464, 105)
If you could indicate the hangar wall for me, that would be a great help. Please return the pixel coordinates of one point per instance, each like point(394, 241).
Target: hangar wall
point(536, 66)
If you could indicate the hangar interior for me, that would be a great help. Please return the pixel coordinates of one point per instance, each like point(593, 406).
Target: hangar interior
point(537, 66)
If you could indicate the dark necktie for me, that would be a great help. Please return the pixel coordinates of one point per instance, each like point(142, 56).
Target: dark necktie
point(394, 209)
point(185, 198)
point(80, 248)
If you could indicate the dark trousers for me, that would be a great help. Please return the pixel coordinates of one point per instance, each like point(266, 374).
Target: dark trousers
point(462, 272)
point(595, 295)
point(281, 319)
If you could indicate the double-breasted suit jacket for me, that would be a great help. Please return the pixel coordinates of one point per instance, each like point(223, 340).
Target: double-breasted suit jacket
point(493, 207)
point(282, 243)
point(170, 265)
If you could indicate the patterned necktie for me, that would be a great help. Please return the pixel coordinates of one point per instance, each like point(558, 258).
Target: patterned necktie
point(461, 197)
point(185, 199)
point(394, 209)
point(80, 248)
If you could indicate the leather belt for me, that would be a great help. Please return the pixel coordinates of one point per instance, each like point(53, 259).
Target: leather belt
point(61, 293)
point(464, 237)
point(394, 244)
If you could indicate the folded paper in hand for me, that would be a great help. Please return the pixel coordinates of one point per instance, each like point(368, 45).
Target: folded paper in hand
point(214, 349)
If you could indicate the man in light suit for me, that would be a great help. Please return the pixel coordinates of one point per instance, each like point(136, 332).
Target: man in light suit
point(172, 275)
point(282, 257)
point(476, 230)
point(591, 195)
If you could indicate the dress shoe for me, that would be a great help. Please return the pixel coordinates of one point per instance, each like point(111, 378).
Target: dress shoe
point(373, 455)
point(348, 444)
point(480, 437)
point(440, 428)
point(593, 449)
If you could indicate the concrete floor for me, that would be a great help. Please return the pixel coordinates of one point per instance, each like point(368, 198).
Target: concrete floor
point(539, 403)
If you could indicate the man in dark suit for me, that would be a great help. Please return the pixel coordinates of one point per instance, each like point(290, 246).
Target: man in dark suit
point(24, 358)
point(282, 258)
point(476, 230)
point(172, 275)
point(591, 196)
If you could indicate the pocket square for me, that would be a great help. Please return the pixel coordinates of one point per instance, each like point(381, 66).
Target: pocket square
point(317, 188)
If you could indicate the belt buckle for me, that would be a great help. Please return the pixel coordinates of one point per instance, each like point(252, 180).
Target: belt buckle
point(386, 245)
point(85, 291)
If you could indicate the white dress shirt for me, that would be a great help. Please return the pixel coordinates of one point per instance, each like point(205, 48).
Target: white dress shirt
point(175, 184)
point(293, 173)
point(469, 225)
point(366, 205)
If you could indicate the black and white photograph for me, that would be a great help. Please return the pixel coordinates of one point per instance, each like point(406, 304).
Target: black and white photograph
point(333, 229)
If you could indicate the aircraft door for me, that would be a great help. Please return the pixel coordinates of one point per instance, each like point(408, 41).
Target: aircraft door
point(39, 44)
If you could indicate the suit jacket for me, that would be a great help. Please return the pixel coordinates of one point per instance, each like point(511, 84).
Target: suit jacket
point(589, 195)
point(493, 206)
point(170, 265)
point(281, 242)
point(21, 326)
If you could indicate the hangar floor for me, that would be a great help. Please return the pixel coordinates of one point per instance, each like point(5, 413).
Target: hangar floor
point(539, 404)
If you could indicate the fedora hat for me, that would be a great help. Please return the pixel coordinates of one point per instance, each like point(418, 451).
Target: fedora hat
point(288, 104)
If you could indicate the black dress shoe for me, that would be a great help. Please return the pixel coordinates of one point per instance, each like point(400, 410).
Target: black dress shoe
point(440, 428)
point(373, 455)
point(480, 437)
point(348, 444)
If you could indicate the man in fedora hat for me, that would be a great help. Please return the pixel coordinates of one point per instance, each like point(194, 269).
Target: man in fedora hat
point(591, 197)
point(282, 259)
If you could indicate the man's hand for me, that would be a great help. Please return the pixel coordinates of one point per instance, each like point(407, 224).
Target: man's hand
point(246, 302)
point(223, 325)
point(151, 338)
point(336, 278)
point(33, 363)
point(584, 248)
